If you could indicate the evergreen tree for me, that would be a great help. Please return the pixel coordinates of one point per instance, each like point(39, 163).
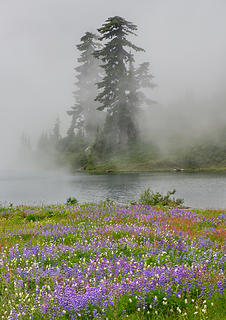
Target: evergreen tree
point(55, 136)
point(43, 144)
point(144, 78)
point(120, 80)
point(25, 143)
point(137, 80)
point(84, 115)
point(25, 152)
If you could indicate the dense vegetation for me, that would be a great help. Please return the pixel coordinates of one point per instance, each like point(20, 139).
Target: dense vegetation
point(112, 100)
point(111, 262)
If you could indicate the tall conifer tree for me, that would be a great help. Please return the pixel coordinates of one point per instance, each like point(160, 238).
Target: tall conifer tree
point(84, 115)
point(117, 86)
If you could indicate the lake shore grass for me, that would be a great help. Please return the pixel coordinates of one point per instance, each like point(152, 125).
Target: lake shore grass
point(109, 261)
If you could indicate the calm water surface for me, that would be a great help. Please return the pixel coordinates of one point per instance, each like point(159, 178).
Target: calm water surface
point(200, 190)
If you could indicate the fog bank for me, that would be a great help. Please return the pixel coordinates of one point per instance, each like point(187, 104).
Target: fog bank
point(184, 42)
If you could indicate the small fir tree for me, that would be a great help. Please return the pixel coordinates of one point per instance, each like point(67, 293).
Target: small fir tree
point(55, 136)
point(43, 144)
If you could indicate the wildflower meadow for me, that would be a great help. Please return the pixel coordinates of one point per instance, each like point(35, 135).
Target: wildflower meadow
point(110, 261)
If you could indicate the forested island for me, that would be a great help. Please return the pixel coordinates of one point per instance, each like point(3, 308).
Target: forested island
point(112, 119)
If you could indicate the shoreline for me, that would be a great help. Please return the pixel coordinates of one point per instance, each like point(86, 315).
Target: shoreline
point(202, 211)
point(102, 170)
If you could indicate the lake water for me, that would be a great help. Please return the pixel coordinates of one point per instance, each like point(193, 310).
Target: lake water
point(199, 190)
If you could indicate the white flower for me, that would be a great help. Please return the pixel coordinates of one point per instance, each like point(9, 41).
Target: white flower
point(186, 300)
point(178, 309)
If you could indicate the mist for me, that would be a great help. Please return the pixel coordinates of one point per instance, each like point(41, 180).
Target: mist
point(184, 42)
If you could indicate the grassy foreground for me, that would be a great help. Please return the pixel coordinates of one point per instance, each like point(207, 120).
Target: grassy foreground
point(111, 262)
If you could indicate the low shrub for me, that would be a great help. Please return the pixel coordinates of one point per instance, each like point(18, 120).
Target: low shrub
point(71, 201)
point(148, 197)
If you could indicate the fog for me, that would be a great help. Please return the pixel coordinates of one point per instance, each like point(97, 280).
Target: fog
point(184, 42)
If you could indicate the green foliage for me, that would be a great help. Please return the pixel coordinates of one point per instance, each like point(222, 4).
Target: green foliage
point(148, 197)
point(205, 155)
point(90, 163)
point(83, 159)
point(71, 201)
point(118, 90)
